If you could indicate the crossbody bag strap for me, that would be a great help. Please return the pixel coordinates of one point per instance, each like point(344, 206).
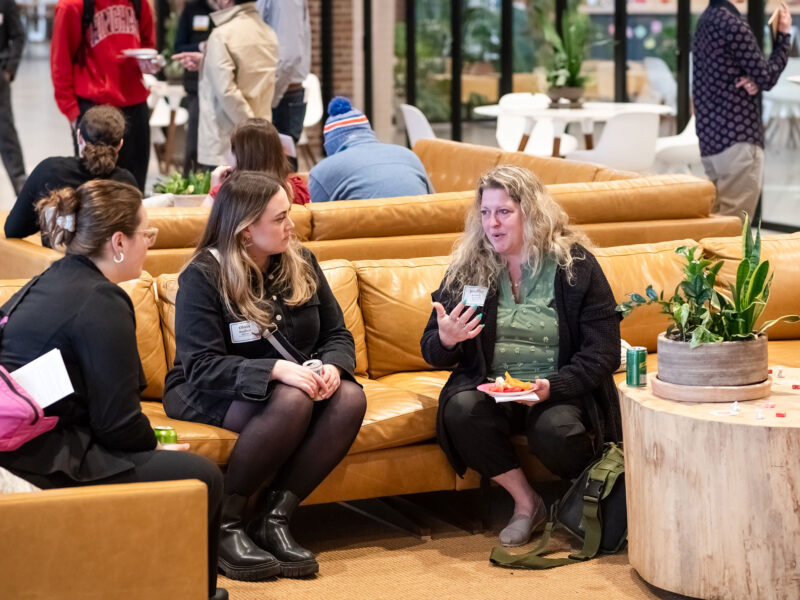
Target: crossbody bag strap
point(282, 345)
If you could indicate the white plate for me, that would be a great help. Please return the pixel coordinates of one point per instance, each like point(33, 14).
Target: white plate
point(484, 387)
point(140, 53)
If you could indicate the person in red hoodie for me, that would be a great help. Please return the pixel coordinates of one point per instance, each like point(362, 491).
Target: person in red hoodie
point(88, 68)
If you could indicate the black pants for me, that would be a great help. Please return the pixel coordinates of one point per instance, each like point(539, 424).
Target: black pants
point(161, 465)
point(135, 152)
point(479, 429)
point(192, 104)
point(10, 150)
point(288, 117)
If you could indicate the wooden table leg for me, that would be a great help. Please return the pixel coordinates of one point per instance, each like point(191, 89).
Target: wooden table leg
point(526, 134)
point(587, 127)
point(559, 127)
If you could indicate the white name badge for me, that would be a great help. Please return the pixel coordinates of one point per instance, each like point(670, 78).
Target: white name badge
point(244, 331)
point(474, 295)
point(1, 18)
point(200, 22)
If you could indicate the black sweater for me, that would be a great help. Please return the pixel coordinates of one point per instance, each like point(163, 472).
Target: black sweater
point(588, 350)
point(73, 307)
point(51, 174)
point(212, 370)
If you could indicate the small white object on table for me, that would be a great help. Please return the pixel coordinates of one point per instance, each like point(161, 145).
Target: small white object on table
point(794, 79)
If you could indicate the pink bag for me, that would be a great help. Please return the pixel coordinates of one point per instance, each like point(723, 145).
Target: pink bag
point(21, 418)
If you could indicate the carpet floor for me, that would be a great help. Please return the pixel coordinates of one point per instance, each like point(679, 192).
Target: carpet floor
point(364, 559)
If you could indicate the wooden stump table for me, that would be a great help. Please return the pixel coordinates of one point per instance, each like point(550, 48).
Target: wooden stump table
point(714, 500)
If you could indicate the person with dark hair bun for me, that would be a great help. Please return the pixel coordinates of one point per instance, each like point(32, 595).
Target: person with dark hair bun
point(76, 306)
point(99, 141)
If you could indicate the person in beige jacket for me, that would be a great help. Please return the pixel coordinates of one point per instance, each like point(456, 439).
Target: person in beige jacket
point(237, 77)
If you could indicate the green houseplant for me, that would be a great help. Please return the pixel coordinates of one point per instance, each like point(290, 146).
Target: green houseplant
point(193, 183)
point(706, 315)
point(569, 48)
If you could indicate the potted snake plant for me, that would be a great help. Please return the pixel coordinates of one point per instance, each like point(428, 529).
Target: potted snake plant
point(714, 338)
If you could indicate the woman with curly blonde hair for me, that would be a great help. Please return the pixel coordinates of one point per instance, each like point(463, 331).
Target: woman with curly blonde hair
point(250, 277)
point(523, 295)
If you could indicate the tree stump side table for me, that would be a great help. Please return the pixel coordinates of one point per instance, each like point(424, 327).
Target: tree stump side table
point(714, 501)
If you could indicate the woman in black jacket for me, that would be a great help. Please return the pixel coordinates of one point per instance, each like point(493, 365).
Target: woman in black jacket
point(248, 277)
point(548, 315)
point(100, 134)
point(76, 306)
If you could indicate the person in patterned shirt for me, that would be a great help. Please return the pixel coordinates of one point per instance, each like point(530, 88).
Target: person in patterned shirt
point(729, 70)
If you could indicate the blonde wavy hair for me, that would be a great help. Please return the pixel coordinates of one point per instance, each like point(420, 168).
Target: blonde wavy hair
point(546, 231)
point(240, 202)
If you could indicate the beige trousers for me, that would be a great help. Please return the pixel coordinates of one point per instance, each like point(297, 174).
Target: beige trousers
point(737, 173)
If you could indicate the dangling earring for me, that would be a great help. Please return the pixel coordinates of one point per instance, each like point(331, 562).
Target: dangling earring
point(120, 259)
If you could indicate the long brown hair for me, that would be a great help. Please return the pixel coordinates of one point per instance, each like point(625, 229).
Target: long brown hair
point(82, 220)
point(102, 128)
point(240, 202)
point(256, 144)
point(546, 231)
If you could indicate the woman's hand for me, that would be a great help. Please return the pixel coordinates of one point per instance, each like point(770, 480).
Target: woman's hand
point(220, 174)
point(541, 387)
point(298, 376)
point(331, 376)
point(748, 84)
point(189, 60)
point(458, 326)
point(160, 446)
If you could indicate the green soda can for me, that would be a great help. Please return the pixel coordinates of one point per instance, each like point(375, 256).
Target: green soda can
point(636, 366)
point(166, 434)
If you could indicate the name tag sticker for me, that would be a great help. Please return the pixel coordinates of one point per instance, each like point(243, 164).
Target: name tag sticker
point(474, 295)
point(244, 331)
point(200, 22)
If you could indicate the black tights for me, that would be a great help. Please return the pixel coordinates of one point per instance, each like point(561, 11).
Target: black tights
point(291, 442)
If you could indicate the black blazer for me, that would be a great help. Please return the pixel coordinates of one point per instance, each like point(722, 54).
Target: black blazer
point(212, 370)
point(74, 308)
point(588, 350)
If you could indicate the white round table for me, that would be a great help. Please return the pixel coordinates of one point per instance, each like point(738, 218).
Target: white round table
point(586, 115)
point(794, 79)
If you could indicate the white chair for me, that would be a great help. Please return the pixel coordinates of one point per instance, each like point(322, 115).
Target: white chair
point(510, 127)
point(314, 111)
point(662, 81)
point(417, 125)
point(679, 153)
point(628, 142)
point(782, 107)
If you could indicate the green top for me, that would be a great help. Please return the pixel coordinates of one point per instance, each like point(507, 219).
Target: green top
point(527, 333)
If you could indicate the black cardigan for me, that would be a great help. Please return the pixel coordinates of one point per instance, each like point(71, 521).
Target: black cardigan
point(588, 350)
point(73, 307)
point(211, 370)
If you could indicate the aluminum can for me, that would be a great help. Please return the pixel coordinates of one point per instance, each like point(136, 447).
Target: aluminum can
point(315, 365)
point(166, 434)
point(636, 366)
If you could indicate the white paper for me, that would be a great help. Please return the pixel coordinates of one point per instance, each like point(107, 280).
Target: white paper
point(474, 295)
point(289, 149)
point(532, 397)
point(45, 379)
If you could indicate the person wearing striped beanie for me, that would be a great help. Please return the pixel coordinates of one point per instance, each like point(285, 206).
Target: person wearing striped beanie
point(359, 166)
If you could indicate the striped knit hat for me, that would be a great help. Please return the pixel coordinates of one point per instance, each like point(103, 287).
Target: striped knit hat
point(344, 120)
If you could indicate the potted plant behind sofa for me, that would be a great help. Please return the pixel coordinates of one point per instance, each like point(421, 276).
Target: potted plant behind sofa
point(569, 49)
point(713, 339)
point(187, 191)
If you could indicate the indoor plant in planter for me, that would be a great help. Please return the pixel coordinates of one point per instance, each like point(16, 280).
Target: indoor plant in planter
point(713, 339)
point(187, 191)
point(569, 47)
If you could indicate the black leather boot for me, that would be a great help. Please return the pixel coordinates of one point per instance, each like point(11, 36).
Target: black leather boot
point(271, 532)
point(239, 557)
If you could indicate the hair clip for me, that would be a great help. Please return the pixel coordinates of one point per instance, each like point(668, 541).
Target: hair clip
point(66, 222)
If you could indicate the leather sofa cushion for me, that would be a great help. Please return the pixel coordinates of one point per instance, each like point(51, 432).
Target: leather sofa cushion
point(434, 213)
point(178, 227)
point(651, 232)
point(642, 199)
point(341, 277)
point(427, 383)
point(455, 166)
point(395, 298)
point(301, 217)
point(631, 269)
point(551, 170)
point(167, 260)
point(9, 287)
point(148, 333)
point(377, 248)
point(783, 253)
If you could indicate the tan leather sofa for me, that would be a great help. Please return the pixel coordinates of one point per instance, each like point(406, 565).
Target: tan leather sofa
point(611, 211)
point(386, 304)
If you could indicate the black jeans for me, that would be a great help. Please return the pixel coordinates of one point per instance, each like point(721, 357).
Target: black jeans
point(479, 429)
point(288, 117)
point(135, 152)
point(161, 465)
point(10, 149)
point(192, 104)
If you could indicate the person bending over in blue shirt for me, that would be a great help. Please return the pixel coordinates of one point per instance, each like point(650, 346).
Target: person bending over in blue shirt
point(358, 166)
